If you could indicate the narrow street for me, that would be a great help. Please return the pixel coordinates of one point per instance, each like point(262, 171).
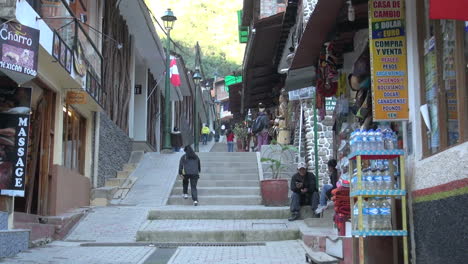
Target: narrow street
point(142, 227)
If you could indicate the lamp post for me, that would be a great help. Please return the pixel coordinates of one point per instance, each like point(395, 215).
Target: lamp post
point(169, 20)
point(196, 79)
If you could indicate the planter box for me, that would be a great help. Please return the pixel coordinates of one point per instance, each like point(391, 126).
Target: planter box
point(274, 192)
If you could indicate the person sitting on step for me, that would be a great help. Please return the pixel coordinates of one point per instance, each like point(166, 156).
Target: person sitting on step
point(304, 191)
point(325, 193)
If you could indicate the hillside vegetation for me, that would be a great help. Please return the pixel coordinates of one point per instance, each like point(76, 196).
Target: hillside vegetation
point(213, 24)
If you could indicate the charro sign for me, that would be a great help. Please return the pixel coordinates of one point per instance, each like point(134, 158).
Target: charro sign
point(19, 46)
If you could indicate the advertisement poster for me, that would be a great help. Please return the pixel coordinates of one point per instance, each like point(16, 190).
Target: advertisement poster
point(19, 47)
point(15, 103)
point(388, 60)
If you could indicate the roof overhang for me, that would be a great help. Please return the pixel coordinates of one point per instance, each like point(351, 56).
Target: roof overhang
point(320, 24)
point(260, 73)
point(147, 42)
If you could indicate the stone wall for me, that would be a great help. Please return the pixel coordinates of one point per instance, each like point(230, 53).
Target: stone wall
point(114, 149)
point(7, 8)
point(271, 7)
point(309, 6)
point(325, 143)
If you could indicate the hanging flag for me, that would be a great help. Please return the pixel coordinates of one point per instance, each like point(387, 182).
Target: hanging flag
point(175, 77)
point(449, 9)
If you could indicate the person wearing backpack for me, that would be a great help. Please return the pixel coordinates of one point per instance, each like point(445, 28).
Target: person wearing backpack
point(189, 170)
point(260, 127)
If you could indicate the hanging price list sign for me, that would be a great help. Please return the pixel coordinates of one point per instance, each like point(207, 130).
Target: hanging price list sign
point(388, 60)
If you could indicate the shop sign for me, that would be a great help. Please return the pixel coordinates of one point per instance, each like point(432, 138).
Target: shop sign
point(15, 108)
point(19, 47)
point(302, 94)
point(76, 97)
point(388, 60)
point(330, 104)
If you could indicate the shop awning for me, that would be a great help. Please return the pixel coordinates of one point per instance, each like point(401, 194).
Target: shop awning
point(449, 9)
point(260, 73)
point(320, 23)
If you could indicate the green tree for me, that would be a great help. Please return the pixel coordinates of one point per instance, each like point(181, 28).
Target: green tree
point(213, 24)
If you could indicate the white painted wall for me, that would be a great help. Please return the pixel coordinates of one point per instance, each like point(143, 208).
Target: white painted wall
point(141, 105)
point(131, 106)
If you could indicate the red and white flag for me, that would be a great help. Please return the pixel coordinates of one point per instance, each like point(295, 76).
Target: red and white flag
point(175, 77)
point(449, 9)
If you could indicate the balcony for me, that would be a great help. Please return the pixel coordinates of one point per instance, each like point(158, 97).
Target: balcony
point(72, 46)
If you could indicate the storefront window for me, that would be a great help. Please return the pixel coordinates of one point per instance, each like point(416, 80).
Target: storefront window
point(74, 127)
point(443, 86)
point(450, 80)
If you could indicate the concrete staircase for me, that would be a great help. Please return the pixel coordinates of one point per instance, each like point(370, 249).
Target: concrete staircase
point(118, 187)
point(226, 179)
point(12, 241)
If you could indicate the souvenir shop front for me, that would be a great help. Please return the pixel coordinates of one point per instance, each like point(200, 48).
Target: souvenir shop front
point(362, 94)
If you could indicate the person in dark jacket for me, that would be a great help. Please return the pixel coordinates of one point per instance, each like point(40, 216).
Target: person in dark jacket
point(189, 168)
point(303, 187)
point(327, 188)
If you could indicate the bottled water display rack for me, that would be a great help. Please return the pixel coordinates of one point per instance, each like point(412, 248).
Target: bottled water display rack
point(360, 193)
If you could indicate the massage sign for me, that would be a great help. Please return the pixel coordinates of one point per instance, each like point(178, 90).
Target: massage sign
point(14, 133)
point(388, 60)
point(19, 47)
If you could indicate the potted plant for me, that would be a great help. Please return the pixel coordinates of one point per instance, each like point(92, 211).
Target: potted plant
point(241, 133)
point(275, 190)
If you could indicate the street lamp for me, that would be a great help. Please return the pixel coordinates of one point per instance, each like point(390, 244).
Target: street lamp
point(196, 79)
point(169, 20)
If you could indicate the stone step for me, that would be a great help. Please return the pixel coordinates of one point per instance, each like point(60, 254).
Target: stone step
point(123, 174)
point(221, 158)
point(3, 220)
point(222, 170)
point(130, 166)
point(38, 231)
point(13, 242)
point(219, 212)
point(136, 157)
point(221, 191)
point(227, 154)
point(218, 231)
point(217, 200)
point(228, 176)
point(101, 196)
point(223, 183)
point(114, 182)
point(215, 164)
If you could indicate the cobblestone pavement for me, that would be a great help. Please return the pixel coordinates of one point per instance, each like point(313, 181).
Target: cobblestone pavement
point(71, 253)
point(284, 252)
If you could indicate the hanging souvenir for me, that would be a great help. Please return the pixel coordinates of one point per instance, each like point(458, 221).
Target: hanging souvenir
point(327, 82)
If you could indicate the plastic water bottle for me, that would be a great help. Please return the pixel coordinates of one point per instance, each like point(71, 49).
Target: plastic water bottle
point(371, 140)
point(358, 140)
point(355, 216)
point(364, 140)
point(379, 139)
point(378, 180)
point(365, 215)
point(352, 141)
point(387, 180)
point(388, 144)
point(385, 213)
point(373, 214)
point(395, 140)
point(370, 179)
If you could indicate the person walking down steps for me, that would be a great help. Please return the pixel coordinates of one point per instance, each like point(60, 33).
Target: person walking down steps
point(205, 133)
point(189, 170)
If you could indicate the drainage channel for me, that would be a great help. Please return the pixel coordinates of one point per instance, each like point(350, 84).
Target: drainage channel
point(175, 244)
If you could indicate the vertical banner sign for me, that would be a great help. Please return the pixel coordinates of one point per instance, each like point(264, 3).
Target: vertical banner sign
point(388, 60)
point(15, 111)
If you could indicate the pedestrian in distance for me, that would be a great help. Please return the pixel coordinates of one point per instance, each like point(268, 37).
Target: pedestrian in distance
point(325, 193)
point(260, 127)
point(304, 191)
point(205, 132)
point(189, 170)
point(230, 140)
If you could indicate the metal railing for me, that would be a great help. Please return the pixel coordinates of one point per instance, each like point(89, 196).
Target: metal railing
point(59, 17)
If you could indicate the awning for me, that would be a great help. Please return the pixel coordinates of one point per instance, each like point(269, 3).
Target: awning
point(147, 41)
point(320, 23)
point(449, 9)
point(260, 73)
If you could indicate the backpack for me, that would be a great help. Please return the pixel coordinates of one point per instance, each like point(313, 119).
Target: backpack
point(258, 124)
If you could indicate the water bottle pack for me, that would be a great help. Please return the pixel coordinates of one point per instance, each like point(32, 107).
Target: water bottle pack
point(373, 140)
point(376, 214)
